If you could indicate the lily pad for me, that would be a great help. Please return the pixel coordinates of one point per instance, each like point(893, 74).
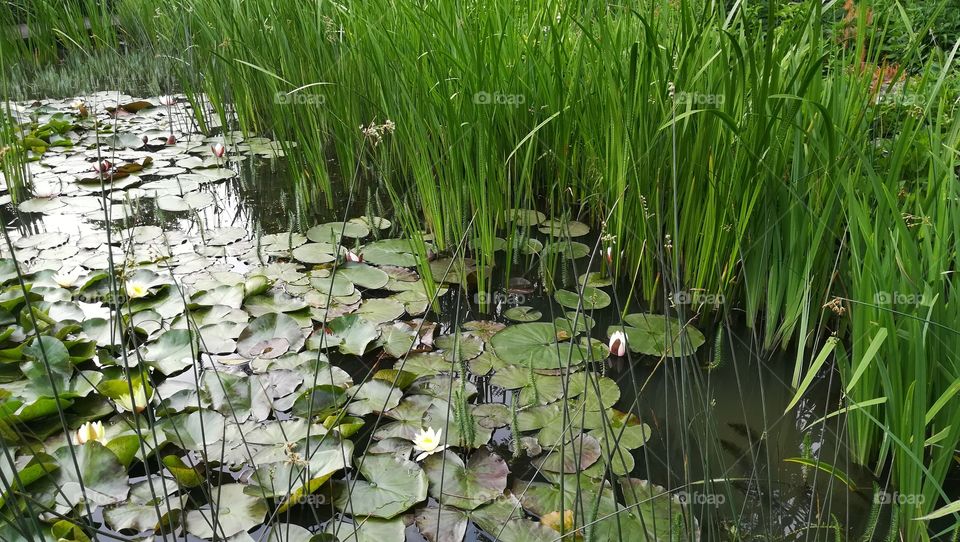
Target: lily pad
point(230, 509)
point(536, 345)
point(480, 480)
point(656, 335)
point(351, 334)
point(332, 232)
point(390, 487)
point(522, 314)
point(593, 298)
point(261, 336)
point(315, 253)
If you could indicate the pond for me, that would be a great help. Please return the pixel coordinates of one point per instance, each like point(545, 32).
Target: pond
point(255, 348)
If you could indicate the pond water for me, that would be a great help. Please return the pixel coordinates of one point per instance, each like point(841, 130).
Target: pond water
point(716, 435)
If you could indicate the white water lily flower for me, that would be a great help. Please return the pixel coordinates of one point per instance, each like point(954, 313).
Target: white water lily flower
point(618, 344)
point(138, 402)
point(427, 442)
point(90, 431)
point(46, 189)
point(167, 100)
point(136, 289)
point(67, 279)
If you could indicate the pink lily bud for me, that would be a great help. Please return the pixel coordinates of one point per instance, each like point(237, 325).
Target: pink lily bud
point(218, 150)
point(353, 257)
point(102, 167)
point(171, 140)
point(618, 344)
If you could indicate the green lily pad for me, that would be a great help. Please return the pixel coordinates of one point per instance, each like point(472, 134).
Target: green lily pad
point(230, 509)
point(536, 345)
point(459, 347)
point(595, 279)
point(593, 298)
point(368, 529)
point(363, 275)
point(564, 228)
point(480, 480)
point(174, 351)
point(332, 232)
point(351, 334)
point(522, 314)
point(391, 486)
point(399, 252)
point(315, 253)
point(574, 456)
point(274, 333)
point(525, 217)
point(656, 335)
point(104, 479)
point(380, 310)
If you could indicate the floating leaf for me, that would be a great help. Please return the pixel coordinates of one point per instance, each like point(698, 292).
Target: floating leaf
point(522, 314)
point(174, 351)
point(593, 298)
point(536, 345)
point(231, 510)
point(332, 232)
point(272, 334)
point(390, 487)
point(480, 480)
point(656, 335)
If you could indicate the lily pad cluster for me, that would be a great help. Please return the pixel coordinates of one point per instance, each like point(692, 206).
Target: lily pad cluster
point(158, 382)
point(111, 152)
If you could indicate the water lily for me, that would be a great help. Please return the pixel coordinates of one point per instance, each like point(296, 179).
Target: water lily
point(45, 189)
point(167, 100)
point(136, 289)
point(618, 344)
point(171, 140)
point(90, 431)
point(77, 104)
point(354, 257)
point(103, 167)
point(137, 403)
point(562, 523)
point(427, 442)
point(67, 279)
point(218, 150)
